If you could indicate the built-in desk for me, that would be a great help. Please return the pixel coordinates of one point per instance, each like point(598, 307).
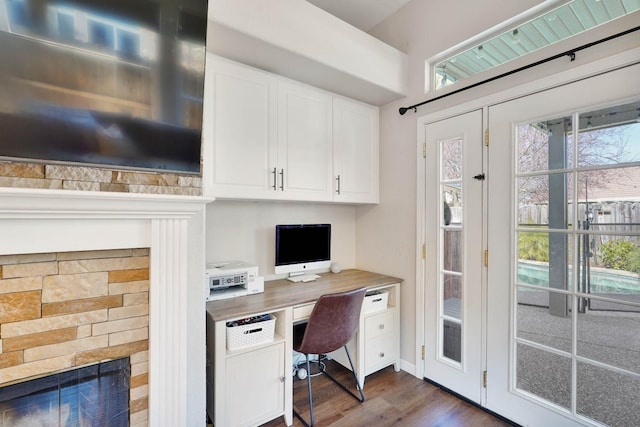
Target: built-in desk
point(252, 385)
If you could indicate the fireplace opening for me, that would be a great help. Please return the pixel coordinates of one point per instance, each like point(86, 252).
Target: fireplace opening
point(96, 395)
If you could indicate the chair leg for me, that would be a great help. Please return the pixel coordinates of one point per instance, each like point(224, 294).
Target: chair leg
point(355, 377)
point(311, 416)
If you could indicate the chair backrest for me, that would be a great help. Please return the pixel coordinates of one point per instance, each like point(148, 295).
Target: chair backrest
point(332, 322)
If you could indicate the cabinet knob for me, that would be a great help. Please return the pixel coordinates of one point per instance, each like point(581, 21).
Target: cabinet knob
point(282, 379)
point(381, 354)
point(381, 326)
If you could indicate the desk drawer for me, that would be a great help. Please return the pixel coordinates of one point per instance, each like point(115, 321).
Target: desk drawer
point(302, 312)
point(379, 352)
point(379, 324)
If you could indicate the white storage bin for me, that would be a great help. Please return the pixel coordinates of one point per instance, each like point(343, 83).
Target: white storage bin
point(375, 301)
point(240, 335)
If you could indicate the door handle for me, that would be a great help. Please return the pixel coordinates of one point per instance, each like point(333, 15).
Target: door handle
point(479, 177)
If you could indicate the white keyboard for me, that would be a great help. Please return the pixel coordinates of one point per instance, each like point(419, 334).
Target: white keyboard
point(303, 278)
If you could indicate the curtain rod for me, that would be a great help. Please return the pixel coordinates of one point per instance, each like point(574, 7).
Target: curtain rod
point(570, 53)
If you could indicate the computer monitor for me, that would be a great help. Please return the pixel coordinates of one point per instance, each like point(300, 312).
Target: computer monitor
point(301, 248)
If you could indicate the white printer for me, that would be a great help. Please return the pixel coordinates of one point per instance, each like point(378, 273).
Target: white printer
point(228, 279)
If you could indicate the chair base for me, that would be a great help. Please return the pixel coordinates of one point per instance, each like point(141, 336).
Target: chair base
point(359, 398)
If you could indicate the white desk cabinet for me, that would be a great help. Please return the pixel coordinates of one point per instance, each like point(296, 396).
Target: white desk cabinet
point(248, 386)
point(355, 151)
point(255, 386)
point(376, 344)
point(380, 335)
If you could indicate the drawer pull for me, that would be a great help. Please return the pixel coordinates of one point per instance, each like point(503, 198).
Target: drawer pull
point(381, 326)
point(381, 354)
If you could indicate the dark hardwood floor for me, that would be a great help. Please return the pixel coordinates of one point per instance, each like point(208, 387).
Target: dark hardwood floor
point(391, 399)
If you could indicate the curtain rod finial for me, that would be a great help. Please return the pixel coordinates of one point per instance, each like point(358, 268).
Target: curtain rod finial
point(402, 110)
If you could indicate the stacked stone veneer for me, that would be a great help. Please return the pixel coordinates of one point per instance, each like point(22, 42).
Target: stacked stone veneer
point(64, 310)
point(59, 177)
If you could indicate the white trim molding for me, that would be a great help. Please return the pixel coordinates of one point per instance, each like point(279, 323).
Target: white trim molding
point(36, 221)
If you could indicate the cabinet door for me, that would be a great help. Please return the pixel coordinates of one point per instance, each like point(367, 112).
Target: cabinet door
point(355, 148)
point(304, 143)
point(255, 386)
point(244, 131)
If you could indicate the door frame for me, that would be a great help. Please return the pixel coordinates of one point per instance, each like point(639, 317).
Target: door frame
point(613, 62)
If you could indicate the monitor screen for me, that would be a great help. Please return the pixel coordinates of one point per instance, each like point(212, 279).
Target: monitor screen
point(302, 247)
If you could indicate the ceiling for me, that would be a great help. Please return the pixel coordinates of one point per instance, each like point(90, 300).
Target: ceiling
point(362, 14)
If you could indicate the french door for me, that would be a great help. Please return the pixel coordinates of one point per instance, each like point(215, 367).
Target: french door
point(543, 328)
point(563, 306)
point(453, 323)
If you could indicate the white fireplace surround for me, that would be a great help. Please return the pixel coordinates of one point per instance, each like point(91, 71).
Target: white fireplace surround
point(37, 221)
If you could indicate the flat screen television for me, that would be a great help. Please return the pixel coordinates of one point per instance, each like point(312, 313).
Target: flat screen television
point(109, 83)
point(302, 247)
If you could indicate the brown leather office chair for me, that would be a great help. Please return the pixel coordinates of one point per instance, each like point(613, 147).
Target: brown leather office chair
point(331, 325)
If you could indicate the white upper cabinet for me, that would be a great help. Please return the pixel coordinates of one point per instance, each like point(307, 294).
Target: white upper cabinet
point(244, 131)
point(304, 143)
point(355, 151)
point(275, 138)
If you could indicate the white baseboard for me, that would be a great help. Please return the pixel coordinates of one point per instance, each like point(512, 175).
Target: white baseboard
point(408, 367)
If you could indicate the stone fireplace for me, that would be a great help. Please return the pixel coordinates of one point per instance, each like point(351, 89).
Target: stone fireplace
point(87, 277)
point(68, 309)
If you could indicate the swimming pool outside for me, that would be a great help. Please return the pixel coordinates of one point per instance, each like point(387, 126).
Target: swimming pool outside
point(603, 280)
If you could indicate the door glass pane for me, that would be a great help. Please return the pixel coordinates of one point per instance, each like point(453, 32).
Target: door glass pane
point(609, 333)
point(544, 259)
point(452, 296)
point(609, 136)
point(607, 396)
point(578, 262)
point(451, 238)
point(545, 200)
point(452, 242)
point(452, 209)
point(536, 323)
point(537, 140)
point(451, 340)
point(451, 159)
point(609, 266)
point(545, 374)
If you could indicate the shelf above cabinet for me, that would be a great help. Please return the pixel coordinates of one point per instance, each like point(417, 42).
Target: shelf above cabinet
point(358, 65)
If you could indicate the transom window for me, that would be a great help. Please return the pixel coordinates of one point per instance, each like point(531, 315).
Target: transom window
point(570, 19)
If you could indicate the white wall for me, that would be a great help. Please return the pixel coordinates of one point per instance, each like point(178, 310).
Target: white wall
point(245, 230)
point(387, 232)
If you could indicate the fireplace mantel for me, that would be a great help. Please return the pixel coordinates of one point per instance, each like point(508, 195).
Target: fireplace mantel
point(36, 221)
point(38, 203)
